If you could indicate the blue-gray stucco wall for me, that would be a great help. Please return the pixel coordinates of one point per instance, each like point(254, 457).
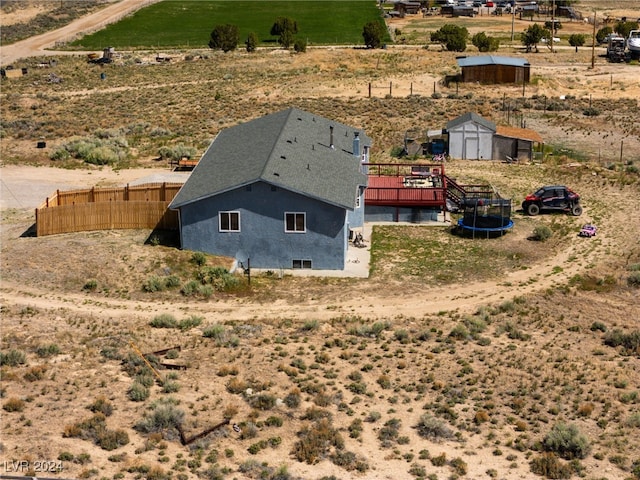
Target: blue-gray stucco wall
point(400, 214)
point(262, 236)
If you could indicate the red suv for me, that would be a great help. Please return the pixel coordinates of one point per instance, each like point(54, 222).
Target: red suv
point(552, 197)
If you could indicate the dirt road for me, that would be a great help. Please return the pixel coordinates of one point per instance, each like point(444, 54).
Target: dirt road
point(40, 44)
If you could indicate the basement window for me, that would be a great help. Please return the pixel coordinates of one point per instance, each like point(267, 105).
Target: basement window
point(229, 221)
point(302, 264)
point(295, 222)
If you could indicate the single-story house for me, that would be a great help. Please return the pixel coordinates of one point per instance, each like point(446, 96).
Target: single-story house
point(471, 137)
point(494, 69)
point(283, 191)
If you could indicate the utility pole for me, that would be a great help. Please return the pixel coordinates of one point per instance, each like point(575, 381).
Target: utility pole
point(513, 19)
point(593, 42)
point(553, 22)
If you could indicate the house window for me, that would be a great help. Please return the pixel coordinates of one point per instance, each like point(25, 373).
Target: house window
point(295, 222)
point(358, 200)
point(229, 221)
point(302, 264)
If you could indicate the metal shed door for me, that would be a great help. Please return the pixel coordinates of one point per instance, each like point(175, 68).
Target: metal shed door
point(471, 145)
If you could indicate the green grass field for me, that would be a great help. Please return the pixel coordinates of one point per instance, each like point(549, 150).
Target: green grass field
point(180, 24)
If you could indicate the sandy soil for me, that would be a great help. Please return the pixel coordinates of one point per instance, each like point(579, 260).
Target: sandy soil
point(33, 289)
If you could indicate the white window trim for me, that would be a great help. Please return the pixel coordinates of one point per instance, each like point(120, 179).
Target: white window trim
point(220, 229)
point(304, 230)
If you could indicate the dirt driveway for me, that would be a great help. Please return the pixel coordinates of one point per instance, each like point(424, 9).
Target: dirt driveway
point(38, 45)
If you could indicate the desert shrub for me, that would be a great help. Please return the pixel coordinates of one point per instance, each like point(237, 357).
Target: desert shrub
point(542, 233)
point(101, 405)
point(169, 386)
point(355, 428)
point(90, 285)
point(236, 385)
point(591, 112)
point(436, 95)
point(384, 381)
point(172, 354)
point(550, 466)
point(176, 152)
point(440, 460)
point(12, 358)
point(459, 466)
point(145, 378)
point(198, 258)
point(50, 350)
point(310, 325)
point(349, 461)
point(153, 285)
point(112, 439)
point(13, 404)
point(374, 330)
point(190, 322)
point(292, 400)
point(567, 441)
point(165, 416)
point(630, 342)
point(138, 392)
point(36, 373)
point(316, 440)
point(433, 428)
point(164, 320)
point(633, 280)
point(273, 421)
point(215, 331)
point(389, 432)
point(373, 417)
point(263, 401)
point(598, 326)
point(190, 289)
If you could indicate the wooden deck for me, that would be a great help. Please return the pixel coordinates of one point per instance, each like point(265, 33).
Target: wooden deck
point(395, 191)
point(406, 185)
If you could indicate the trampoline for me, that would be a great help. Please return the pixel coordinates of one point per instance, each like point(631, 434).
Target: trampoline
point(487, 216)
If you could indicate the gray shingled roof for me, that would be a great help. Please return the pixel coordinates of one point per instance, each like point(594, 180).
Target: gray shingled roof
point(491, 60)
point(471, 117)
point(289, 149)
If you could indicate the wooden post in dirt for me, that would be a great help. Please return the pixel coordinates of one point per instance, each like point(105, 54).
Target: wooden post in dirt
point(621, 148)
point(369, 89)
point(390, 88)
point(411, 89)
point(593, 43)
point(553, 22)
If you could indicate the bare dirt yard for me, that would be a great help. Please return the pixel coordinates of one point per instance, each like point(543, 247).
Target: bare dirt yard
point(457, 358)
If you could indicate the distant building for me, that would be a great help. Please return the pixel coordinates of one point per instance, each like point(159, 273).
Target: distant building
point(472, 137)
point(491, 69)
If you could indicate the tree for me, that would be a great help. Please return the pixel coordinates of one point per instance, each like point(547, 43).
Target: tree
point(453, 37)
point(485, 43)
point(602, 33)
point(285, 28)
point(300, 45)
point(623, 28)
point(373, 33)
point(577, 40)
point(224, 37)
point(251, 42)
point(532, 36)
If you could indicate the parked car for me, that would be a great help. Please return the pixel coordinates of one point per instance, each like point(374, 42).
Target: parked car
point(489, 4)
point(552, 197)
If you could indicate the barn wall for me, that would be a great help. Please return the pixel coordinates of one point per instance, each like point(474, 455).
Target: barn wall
point(495, 74)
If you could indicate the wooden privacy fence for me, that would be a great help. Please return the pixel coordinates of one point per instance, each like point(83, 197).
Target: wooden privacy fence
point(140, 206)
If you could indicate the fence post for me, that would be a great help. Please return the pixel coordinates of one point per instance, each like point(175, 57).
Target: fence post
point(369, 89)
point(126, 193)
point(390, 88)
point(92, 196)
point(411, 89)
